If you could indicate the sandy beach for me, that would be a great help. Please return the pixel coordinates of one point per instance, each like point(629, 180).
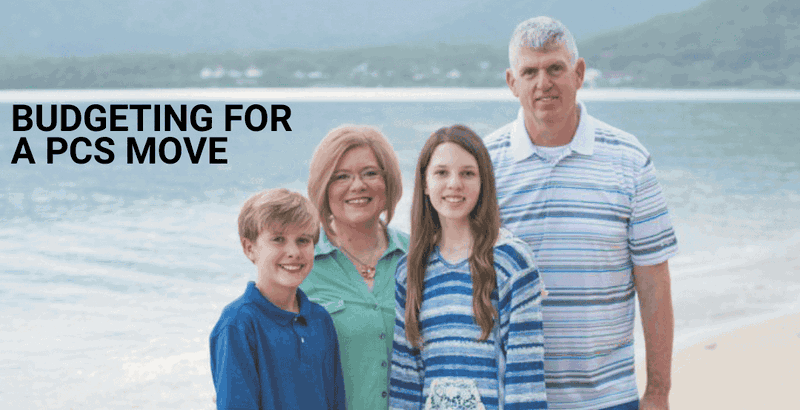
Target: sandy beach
point(752, 367)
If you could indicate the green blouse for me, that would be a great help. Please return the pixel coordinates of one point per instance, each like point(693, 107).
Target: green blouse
point(364, 320)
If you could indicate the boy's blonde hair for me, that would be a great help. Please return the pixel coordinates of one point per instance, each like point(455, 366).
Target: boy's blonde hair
point(276, 209)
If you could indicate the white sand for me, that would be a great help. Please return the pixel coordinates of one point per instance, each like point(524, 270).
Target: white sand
point(753, 367)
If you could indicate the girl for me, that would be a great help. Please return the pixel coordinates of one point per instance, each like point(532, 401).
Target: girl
point(468, 332)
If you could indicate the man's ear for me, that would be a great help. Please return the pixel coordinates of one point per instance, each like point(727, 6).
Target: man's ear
point(580, 70)
point(247, 248)
point(511, 81)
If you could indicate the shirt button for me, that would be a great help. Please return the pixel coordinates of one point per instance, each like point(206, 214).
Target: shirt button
point(302, 340)
point(384, 394)
point(382, 336)
point(384, 364)
point(376, 306)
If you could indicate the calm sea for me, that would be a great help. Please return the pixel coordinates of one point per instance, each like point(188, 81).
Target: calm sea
point(111, 276)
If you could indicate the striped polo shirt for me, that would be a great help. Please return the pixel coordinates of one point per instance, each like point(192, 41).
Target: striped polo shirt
point(590, 212)
point(451, 349)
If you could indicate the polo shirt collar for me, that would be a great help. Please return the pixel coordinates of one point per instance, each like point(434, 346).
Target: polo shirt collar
point(325, 247)
point(277, 314)
point(521, 146)
point(583, 142)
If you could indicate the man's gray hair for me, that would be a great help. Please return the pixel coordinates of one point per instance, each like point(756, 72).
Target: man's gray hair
point(541, 34)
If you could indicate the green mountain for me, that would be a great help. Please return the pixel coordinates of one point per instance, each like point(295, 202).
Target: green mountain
point(389, 66)
point(67, 28)
point(720, 43)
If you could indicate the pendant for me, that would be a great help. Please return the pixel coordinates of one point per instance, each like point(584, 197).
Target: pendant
point(368, 272)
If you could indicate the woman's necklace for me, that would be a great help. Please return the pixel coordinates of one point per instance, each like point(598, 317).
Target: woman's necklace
point(367, 271)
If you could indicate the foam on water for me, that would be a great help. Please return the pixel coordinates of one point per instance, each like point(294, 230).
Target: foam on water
point(115, 310)
point(394, 94)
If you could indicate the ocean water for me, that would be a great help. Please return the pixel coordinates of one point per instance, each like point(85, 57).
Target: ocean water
point(111, 276)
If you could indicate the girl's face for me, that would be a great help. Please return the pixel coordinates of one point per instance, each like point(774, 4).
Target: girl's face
point(357, 190)
point(452, 182)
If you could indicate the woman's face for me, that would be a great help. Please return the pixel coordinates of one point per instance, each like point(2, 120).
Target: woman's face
point(357, 189)
point(453, 182)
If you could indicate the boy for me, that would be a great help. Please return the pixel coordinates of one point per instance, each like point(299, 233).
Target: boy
point(272, 348)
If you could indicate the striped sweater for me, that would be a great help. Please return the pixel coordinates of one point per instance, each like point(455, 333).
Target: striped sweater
point(451, 348)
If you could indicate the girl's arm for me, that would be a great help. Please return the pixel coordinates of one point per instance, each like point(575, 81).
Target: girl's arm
point(521, 332)
point(407, 377)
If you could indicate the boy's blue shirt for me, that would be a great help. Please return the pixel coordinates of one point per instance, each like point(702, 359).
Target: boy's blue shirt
point(264, 358)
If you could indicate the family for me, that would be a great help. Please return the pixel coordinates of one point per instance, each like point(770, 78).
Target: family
point(515, 289)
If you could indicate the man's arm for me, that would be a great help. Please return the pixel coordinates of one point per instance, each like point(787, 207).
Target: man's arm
point(655, 305)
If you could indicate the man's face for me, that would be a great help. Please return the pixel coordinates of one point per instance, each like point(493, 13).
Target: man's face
point(546, 84)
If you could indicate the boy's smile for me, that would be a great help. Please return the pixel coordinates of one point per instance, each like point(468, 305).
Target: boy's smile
point(284, 257)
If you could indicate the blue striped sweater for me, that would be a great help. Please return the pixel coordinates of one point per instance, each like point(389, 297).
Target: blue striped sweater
point(451, 348)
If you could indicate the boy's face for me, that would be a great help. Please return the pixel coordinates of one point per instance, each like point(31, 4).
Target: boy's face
point(283, 258)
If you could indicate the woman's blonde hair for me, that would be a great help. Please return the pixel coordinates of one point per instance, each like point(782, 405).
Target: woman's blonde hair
point(331, 149)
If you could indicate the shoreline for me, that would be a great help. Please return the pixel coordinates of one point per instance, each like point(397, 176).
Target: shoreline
point(753, 365)
point(388, 94)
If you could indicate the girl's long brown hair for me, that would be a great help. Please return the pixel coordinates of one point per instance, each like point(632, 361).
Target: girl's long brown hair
point(484, 221)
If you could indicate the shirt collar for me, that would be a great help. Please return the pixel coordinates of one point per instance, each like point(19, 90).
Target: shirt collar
point(277, 314)
point(325, 247)
point(522, 147)
point(583, 142)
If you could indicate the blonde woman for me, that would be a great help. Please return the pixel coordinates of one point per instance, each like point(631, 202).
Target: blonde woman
point(355, 183)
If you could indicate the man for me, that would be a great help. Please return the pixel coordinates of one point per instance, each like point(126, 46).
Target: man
point(584, 195)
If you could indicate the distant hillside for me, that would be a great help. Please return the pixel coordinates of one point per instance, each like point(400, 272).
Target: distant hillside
point(389, 66)
point(720, 43)
point(66, 28)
